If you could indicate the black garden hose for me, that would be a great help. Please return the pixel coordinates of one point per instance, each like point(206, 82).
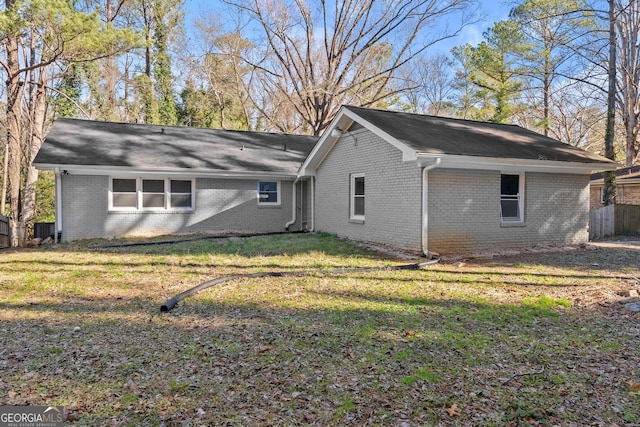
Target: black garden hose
point(171, 303)
point(193, 239)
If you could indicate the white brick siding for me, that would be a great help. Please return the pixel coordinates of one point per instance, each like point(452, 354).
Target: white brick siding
point(221, 205)
point(392, 192)
point(464, 211)
point(463, 205)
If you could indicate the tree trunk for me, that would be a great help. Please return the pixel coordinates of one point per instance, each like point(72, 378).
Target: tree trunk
point(15, 95)
point(36, 138)
point(110, 71)
point(5, 175)
point(609, 196)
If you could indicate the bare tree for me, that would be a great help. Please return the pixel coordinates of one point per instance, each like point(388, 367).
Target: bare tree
point(609, 189)
point(429, 85)
point(37, 35)
point(547, 26)
point(216, 90)
point(322, 54)
point(628, 94)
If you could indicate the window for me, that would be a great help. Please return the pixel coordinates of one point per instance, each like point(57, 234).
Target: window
point(357, 197)
point(151, 194)
point(268, 192)
point(124, 193)
point(181, 194)
point(512, 197)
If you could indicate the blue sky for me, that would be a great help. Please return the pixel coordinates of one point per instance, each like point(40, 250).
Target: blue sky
point(492, 10)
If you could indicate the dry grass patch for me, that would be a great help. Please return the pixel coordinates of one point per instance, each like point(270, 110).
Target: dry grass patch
point(529, 340)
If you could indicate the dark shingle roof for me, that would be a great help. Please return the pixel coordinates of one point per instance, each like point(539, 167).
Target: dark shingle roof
point(439, 135)
point(74, 142)
point(622, 173)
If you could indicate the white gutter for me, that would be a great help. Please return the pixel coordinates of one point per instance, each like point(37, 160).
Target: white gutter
point(515, 165)
point(425, 204)
point(58, 223)
point(294, 207)
point(121, 171)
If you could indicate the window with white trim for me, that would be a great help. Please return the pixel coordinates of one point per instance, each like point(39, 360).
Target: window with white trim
point(512, 197)
point(269, 193)
point(127, 194)
point(181, 193)
point(153, 194)
point(124, 193)
point(357, 197)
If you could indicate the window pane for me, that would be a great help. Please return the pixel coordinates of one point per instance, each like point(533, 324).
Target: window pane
point(268, 197)
point(180, 186)
point(181, 200)
point(359, 186)
point(125, 200)
point(509, 184)
point(153, 200)
point(153, 186)
point(358, 206)
point(124, 185)
point(510, 209)
point(268, 192)
point(268, 186)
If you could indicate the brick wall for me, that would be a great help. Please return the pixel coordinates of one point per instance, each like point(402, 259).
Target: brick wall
point(627, 194)
point(221, 205)
point(393, 202)
point(464, 211)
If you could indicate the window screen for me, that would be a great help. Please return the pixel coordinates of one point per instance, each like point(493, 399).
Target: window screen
point(180, 193)
point(357, 197)
point(153, 193)
point(510, 198)
point(268, 192)
point(124, 193)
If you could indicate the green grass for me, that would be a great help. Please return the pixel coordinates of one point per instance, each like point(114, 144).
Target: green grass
point(529, 340)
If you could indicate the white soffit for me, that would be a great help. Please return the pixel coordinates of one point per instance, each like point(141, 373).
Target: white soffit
point(513, 165)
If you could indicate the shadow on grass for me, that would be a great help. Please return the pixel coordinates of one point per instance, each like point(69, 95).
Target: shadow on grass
point(264, 362)
point(270, 245)
point(582, 259)
point(328, 352)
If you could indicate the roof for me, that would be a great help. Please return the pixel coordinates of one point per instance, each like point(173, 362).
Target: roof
point(632, 172)
point(81, 144)
point(440, 135)
point(466, 141)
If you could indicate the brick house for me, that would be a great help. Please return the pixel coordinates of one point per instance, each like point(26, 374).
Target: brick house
point(421, 183)
point(627, 187)
point(116, 179)
point(428, 183)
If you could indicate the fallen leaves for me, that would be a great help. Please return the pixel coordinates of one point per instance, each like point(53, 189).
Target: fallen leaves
point(443, 346)
point(454, 410)
point(634, 388)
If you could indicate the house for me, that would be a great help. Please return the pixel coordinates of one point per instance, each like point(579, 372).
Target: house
point(627, 187)
point(421, 183)
point(117, 179)
point(427, 183)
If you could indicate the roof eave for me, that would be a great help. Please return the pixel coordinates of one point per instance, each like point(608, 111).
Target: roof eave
point(343, 119)
point(515, 165)
point(171, 172)
point(619, 180)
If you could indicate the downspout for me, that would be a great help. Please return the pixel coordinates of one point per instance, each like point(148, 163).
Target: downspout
point(58, 223)
point(425, 204)
point(294, 208)
point(313, 204)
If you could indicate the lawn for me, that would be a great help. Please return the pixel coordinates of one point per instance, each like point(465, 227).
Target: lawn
point(533, 339)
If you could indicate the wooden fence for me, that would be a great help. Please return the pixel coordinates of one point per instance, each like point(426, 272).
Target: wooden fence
point(614, 219)
point(4, 232)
